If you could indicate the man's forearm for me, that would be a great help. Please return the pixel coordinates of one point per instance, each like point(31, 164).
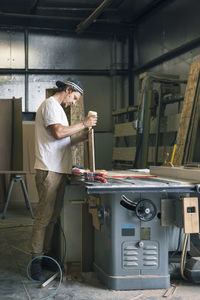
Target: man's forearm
point(75, 140)
point(59, 131)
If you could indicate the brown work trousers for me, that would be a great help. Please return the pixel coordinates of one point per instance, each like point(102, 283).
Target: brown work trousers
point(51, 188)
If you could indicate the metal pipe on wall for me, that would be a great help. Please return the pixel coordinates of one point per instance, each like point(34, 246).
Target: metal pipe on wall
point(130, 69)
point(114, 61)
point(26, 67)
point(64, 71)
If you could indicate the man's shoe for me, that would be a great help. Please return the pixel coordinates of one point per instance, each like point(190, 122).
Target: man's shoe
point(36, 270)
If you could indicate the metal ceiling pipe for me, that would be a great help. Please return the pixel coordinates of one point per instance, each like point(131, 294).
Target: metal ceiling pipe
point(4, 17)
point(36, 17)
point(87, 22)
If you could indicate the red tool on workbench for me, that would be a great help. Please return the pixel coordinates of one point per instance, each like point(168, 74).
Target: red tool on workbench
point(82, 174)
point(95, 176)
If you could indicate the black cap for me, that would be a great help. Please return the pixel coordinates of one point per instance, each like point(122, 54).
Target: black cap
point(75, 84)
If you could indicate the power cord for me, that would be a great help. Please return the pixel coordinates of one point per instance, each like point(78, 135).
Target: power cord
point(30, 278)
point(183, 256)
point(51, 258)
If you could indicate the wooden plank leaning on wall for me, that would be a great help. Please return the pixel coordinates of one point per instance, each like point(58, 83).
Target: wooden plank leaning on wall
point(189, 118)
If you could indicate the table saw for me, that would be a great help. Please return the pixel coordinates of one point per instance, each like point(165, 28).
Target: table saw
point(137, 219)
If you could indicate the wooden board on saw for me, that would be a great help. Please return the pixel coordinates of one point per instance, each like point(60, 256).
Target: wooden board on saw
point(125, 174)
point(189, 175)
point(189, 117)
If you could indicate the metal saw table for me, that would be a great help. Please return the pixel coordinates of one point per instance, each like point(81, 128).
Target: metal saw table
point(131, 247)
point(130, 243)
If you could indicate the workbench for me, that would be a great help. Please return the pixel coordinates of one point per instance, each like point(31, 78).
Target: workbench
point(130, 252)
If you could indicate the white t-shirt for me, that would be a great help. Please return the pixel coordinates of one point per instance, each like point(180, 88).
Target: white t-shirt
point(51, 154)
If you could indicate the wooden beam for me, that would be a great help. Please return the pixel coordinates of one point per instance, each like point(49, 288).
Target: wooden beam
point(190, 175)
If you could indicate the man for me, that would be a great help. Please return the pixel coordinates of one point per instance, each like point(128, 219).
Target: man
point(54, 138)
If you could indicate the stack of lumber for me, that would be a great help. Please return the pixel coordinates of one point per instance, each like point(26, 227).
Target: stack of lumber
point(187, 132)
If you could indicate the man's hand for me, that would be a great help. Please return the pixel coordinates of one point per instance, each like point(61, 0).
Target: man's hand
point(90, 121)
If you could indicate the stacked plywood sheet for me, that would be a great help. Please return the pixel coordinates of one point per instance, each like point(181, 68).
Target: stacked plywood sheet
point(187, 131)
point(11, 150)
point(11, 134)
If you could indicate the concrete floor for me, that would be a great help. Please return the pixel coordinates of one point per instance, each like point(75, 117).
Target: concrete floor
point(15, 232)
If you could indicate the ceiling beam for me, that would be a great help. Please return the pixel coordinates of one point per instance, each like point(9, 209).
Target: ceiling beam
point(73, 9)
point(151, 8)
point(92, 18)
point(60, 23)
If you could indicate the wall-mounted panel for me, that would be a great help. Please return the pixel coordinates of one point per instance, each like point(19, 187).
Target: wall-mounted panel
point(68, 52)
point(12, 49)
point(12, 86)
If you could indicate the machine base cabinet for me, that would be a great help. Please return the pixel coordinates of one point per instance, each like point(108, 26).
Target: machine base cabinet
point(138, 282)
point(131, 251)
